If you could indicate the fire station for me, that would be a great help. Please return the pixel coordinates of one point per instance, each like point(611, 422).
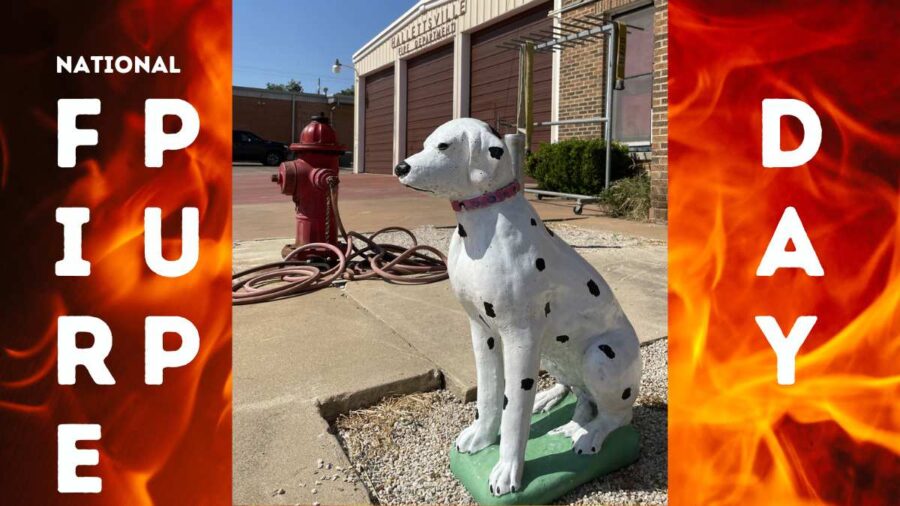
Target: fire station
point(445, 59)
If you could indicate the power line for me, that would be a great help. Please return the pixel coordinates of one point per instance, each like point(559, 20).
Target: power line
point(284, 73)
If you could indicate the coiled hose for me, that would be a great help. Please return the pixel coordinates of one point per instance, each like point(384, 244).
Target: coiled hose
point(317, 265)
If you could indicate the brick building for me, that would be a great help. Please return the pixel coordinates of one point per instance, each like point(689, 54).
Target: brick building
point(442, 59)
point(280, 116)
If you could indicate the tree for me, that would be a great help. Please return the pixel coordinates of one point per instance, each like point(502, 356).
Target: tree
point(347, 91)
point(293, 86)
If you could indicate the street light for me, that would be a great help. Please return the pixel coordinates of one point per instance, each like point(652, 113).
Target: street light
point(336, 68)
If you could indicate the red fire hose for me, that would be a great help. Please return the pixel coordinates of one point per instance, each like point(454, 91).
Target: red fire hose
point(317, 265)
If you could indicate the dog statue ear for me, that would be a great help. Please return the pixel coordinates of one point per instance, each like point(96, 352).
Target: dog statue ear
point(516, 145)
point(496, 152)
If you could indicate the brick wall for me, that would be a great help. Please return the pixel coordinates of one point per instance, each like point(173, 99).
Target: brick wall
point(270, 116)
point(659, 165)
point(582, 90)
point(267, 118)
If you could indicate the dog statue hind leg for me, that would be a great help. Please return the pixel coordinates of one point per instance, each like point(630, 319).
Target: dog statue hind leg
point(612, 375)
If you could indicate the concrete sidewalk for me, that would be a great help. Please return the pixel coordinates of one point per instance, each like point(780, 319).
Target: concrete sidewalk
point(295, 369)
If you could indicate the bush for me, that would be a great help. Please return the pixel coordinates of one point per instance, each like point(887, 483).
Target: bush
point(577, 166)
point(628, 198)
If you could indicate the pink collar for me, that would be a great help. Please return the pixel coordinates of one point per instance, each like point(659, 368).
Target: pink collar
point(487, 199)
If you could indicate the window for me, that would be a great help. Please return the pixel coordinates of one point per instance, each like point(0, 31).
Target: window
point(631, 106)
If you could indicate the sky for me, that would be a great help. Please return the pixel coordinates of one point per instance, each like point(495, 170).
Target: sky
point(280, 40)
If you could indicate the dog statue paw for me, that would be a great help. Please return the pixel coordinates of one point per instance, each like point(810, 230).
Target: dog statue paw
point(506, 477)
point(474, 438)
point(530, 298)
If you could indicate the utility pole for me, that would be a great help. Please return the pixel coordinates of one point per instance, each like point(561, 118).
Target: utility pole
point(525, 106)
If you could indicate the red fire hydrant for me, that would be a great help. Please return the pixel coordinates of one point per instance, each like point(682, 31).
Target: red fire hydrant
point(311, 179)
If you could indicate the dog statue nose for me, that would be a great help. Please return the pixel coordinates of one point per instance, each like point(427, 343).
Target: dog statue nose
point(402, 169)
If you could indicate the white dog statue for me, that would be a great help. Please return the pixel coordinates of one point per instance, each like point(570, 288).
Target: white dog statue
point(531, 300)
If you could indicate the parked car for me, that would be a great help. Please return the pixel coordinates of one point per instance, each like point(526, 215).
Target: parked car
point(249, 147)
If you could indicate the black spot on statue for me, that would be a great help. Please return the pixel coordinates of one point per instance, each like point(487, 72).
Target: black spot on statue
point(505, 402)
point(527, 383)
point(461, 230)
point(579, 452)
point(595, 290)
point(626, 394)
point(540, 264)
point(562, 339)
point(547, 309)
point(593, 448)
point(496, 152)
point(476, 413)
point(533, 222)
point(607, 350)
point(490, 343)
point(489, 309)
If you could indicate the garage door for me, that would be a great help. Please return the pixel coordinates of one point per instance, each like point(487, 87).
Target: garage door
point(379, 123)
point(495, 73)
point(429, 95)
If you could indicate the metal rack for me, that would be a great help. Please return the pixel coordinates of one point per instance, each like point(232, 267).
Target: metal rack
point(572, 32)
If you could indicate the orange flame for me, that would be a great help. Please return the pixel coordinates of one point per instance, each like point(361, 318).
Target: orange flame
point(736, 437)
point(168, 444)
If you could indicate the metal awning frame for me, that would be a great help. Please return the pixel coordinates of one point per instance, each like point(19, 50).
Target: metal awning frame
point(566, 34)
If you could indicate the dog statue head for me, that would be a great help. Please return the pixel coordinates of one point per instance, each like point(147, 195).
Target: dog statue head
point(462, 158)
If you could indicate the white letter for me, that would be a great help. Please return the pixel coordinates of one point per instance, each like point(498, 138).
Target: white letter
point(72, 264)
point(155, 357)
point(68, 136)
point(772, 111)
point(93, 358)
point(790, 228)
point(156, 140)
point(63, 64)
point(69, 457)
point(786, 347)
point(81, 66)
point(190, 242)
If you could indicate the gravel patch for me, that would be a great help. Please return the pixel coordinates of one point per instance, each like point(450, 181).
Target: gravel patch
point(400, 447)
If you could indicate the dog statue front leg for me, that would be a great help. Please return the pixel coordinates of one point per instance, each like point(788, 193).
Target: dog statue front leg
point(489, 369)
point(521, 361)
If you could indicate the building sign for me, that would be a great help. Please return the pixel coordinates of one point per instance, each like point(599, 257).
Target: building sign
point(431, 26)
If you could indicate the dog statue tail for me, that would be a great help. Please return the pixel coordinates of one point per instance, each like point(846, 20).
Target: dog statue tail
point(515, 144)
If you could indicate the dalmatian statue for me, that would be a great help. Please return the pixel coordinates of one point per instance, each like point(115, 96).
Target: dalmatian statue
point(531, 300)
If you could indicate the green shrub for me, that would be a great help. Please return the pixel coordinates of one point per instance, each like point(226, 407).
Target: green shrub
point(576, 166)
point(628, 198)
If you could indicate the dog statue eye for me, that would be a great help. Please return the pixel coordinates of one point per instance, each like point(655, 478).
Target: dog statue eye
point(443, 146)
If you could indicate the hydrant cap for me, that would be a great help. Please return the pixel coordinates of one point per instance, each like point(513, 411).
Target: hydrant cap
point(318, 136)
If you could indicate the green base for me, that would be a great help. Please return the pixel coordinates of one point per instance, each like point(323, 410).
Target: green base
point(551, 467)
